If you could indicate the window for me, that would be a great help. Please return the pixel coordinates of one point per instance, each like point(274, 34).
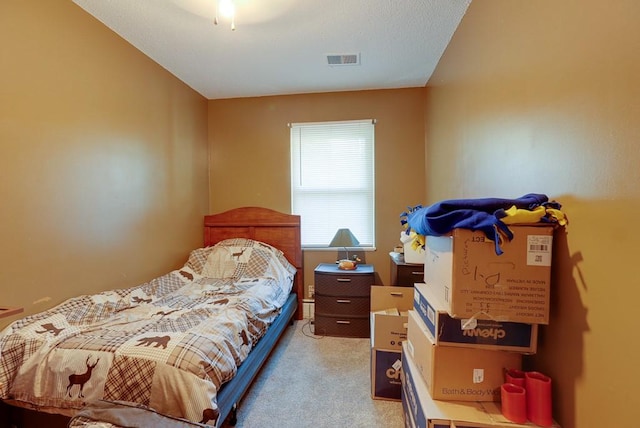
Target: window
point(332, 180)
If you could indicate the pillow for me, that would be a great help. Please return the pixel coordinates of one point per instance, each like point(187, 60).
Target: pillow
point(236, 258)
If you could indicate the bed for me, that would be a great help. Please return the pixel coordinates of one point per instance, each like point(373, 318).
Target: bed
point(187, 344)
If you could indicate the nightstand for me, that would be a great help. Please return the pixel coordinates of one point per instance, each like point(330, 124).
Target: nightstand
point(405, 274)
point(342, 300)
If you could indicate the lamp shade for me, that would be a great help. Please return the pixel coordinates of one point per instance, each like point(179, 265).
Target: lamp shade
point(344, 238)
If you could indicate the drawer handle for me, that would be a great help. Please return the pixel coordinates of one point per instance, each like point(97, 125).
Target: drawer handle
point(344, 280)
point(417, 273)
point(343, 301)
point(397, 293)
point(343, 322)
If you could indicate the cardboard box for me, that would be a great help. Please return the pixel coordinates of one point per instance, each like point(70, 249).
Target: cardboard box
point(406, 412)
point(385, 374)
point(475, 282)
point(452, 373)
point(471, 332)
point(423, 411)
point(389, 306)
point(410, 422)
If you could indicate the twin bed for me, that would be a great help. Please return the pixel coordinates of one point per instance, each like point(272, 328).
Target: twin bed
point(181, 349)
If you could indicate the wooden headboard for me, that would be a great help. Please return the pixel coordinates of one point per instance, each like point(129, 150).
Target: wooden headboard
point(261, 224)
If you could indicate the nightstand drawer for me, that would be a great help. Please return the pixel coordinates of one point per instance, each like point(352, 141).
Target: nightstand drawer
point(341, 326)
point(337, 305)
point(331, 281)
point(343, 285)
point(405, 274)
point(410, 274)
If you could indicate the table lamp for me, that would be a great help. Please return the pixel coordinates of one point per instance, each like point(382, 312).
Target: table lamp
point(344, 238)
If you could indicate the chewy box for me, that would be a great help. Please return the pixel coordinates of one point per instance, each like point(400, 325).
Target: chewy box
point(462, 374)
point(475, 282)
point(385, 374)
point(389, 306)
point(471, 332)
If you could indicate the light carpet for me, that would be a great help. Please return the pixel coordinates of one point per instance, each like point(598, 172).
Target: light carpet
point(316, 381)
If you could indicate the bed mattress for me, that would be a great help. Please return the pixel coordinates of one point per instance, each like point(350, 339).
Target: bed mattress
point(169, 344)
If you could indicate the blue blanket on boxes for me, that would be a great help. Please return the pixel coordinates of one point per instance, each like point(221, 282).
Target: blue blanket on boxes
point(482, 214)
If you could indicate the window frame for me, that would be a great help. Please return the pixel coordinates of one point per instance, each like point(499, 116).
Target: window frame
point(356, 210)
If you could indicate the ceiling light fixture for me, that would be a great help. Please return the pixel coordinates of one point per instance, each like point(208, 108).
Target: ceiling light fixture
point(227, 10)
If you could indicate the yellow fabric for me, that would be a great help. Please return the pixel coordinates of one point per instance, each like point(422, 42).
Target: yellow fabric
point(521, 215)
point(418, 241)
point(558, 215)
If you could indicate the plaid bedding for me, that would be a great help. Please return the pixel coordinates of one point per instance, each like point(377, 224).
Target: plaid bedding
point(168, 344)
point(109, 414)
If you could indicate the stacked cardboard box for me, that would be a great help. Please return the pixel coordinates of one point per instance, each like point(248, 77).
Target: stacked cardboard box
point(474, 282)
point(454, 372)
point(422, 411)
point(474, 317)
point(389, 306)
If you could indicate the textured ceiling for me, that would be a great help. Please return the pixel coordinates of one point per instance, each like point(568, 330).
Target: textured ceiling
point(281, 46)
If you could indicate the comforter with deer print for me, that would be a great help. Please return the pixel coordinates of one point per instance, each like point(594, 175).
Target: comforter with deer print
point(168, 344)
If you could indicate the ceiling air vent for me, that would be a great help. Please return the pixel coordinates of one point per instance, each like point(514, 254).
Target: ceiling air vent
point(343, 59)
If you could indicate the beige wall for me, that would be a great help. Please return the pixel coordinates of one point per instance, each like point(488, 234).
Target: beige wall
point(543, 96)
point(103, 156)
point(104, 159)
point(249, 144)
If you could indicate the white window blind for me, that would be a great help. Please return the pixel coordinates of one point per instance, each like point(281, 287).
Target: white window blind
point(332, 180)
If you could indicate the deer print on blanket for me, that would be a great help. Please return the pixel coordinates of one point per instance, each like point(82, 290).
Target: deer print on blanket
point(238, 254)
point(156, 341)
point(82, 378)
point(49, 328)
